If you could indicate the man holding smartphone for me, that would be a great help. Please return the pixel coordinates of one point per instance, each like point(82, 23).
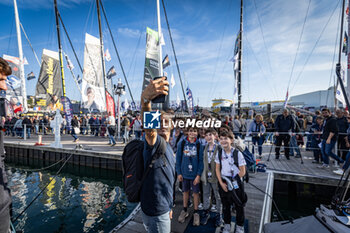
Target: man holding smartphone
point(157, 190)
point(5, 196)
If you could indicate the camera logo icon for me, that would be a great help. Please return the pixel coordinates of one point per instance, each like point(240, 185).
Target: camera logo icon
point(151, 120)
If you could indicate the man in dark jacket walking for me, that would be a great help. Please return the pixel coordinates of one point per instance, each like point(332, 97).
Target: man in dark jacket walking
point(342, 124)
point(283, 126)
point(329, 138)
point(5, 194)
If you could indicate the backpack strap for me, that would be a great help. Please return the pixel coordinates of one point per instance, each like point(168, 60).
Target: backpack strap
point(235, 157)
point(156, 153)
point(220, 156)
point(198, 149)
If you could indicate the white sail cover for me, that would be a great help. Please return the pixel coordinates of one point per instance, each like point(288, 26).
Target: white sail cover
point(93, 95)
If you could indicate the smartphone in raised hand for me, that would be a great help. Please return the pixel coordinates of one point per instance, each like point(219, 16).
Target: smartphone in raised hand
point(161, 98)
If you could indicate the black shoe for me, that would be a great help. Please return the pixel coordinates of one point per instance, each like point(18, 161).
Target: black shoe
point(315, 161)
point(277, 157)
point(298, 156)
point(287, 157)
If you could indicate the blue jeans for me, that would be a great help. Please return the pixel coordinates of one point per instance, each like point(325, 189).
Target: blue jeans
point(28, 132)
point(259, 141)
point(111, 139)
point(347, 161)
point(73, 134)
point(294, 146)
point(327, 151)
point(138, 134)
point(157, 224)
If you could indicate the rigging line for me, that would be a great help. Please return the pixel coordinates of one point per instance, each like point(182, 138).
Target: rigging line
point(44, 168)
point(177, 64)
point(315, 45)
point(334, 52)
point(42, 190)
point(30, 44)
point(70, 42)
point(9, 44)
point(262, 33)
point(213, 87)
point(263, 73)
point(301, 35)
point(116, 50)
point(133, 60)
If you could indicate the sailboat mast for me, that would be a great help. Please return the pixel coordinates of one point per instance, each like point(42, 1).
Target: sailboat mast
point(338, 66)
point(159, 41)
point(21, 63)
point(101, 46)
point(60, 48)
point(239, 78)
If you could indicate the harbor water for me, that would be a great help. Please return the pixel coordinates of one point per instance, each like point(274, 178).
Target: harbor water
point(79, 199)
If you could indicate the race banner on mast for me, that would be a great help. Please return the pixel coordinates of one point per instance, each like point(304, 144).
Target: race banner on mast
point(93, 93)
point(110, 104)
point(13, 82)
point(151, 63)
point(68, 111)
point(49, 85)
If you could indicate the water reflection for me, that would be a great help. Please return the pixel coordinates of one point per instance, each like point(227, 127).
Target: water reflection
point(69, 204)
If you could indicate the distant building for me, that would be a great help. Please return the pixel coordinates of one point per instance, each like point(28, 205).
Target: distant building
point(315, 99)
point(221, 105)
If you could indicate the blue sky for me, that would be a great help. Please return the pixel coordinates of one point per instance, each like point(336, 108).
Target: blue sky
point(203, 32)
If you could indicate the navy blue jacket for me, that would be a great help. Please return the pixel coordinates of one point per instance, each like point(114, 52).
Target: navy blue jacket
point(189, 156)
point(157, 189)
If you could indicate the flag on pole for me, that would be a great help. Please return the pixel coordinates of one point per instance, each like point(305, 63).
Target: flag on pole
point(235, 61)
point(69, 62)
point(339, 93)
point(25, 61)
point(107, 55)
point(345, 44)
point(285, 101)
point(126, 104)
point(189, 99)
point(30, 76)
point(172, 81)
point(166, 62)
point(161, 41)
point(111, 72)
point(178, 101)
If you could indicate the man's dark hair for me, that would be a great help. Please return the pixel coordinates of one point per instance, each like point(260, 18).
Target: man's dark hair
point(5, 68)
point(325, 110)
point(226, 133)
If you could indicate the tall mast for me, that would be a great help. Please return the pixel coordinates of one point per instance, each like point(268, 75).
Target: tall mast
point(159, 41)
point(101, 45)
point(21, 64)
point(338, 66)
point(60, 48)
point(240, 60)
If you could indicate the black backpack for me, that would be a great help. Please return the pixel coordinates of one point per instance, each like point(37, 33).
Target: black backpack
point(133, 167)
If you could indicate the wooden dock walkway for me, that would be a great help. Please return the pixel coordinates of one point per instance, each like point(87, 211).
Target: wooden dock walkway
point(283, 169)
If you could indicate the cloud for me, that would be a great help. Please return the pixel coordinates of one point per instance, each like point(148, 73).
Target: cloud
point(44, 4)
point(128, 32)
